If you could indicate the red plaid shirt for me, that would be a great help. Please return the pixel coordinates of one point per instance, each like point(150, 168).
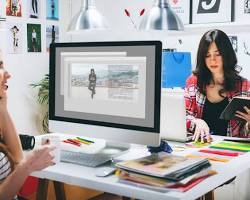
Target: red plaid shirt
point(195, 102)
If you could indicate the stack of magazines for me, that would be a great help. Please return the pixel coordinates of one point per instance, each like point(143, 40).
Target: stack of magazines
point(164, 171)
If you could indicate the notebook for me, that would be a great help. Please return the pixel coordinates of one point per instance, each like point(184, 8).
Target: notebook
point(173, 116)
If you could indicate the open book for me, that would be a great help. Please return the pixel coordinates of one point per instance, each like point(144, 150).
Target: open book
point(236, 104)
point(169, 166)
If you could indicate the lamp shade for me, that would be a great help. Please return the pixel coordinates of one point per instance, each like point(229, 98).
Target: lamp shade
point(161, 17)
point(87, 18)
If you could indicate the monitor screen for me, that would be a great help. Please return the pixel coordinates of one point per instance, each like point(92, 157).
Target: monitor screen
point(108, 90)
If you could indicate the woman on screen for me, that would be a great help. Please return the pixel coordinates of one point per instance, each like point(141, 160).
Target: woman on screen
point(92, 82)
point(214, 82)
point(14, 168)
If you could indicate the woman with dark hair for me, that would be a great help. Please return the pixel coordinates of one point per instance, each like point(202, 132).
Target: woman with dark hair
point(14, 167)
point(214, 83)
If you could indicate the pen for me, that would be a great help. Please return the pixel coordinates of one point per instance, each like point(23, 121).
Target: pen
point(84, 140)
point(74, 141)
point(67, 141)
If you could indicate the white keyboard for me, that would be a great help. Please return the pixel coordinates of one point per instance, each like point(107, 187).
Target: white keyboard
point(90, 160)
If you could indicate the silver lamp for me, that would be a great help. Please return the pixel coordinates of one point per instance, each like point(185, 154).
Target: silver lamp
point(87, 18)
point(161, 17)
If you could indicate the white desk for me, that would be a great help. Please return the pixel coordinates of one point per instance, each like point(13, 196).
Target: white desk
point(84, 177)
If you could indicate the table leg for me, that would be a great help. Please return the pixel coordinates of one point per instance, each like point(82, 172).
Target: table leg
point(59, 190)
point(42, 190)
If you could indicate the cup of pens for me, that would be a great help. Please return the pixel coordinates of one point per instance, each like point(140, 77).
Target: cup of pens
point(53, 140)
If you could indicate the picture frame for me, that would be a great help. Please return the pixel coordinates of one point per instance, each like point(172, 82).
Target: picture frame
point(215, 11)
point(182, 9)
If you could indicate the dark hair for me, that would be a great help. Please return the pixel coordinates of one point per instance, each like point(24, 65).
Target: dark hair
point(230, 68)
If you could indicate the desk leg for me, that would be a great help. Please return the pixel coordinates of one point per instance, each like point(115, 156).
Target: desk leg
point(59, 190)
point(42, 189)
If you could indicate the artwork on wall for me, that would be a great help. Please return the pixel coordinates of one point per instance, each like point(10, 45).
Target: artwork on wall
point(207, 11)
point(14, 37)
point(52, 35)
point(52, 9)
point(247, 6)
point(234, 42)
point(34, 37)
point(2, 10)
point(182, 9)
point(34, 8)
point(14, 8)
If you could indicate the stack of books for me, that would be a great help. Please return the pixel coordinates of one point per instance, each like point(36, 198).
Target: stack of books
point(164, 171)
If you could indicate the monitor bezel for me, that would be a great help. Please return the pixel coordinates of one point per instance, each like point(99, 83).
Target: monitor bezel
point(157, 88)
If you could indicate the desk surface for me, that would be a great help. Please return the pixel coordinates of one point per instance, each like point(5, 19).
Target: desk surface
point(85, 177)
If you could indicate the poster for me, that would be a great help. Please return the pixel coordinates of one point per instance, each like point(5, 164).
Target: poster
point(205, 11)
point(34, 8)
point(52, 35)
point(14, 37)
point(34, 37)
point(14, 8)
point(52, 9)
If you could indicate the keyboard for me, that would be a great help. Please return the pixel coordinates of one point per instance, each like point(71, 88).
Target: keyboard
point(90, 160)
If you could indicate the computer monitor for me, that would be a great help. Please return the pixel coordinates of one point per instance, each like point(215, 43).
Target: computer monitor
point(108, 90)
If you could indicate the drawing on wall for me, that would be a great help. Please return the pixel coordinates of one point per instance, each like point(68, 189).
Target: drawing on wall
point(52, 35)
point(34, 8)
point(14, 37)
point(234, 42)
point(2, 10)
point(14, 8)
point(247, 6)
point(204, 11)
point(34, 37)
point(52, 9)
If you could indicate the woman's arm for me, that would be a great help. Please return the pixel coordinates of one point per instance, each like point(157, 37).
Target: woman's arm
point(34, 161)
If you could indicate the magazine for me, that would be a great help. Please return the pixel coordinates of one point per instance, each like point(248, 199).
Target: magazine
point(165, 165)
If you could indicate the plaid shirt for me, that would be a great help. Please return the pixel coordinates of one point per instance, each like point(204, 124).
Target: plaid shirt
point(195, 102)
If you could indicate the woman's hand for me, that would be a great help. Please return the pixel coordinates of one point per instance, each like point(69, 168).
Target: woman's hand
point(244, 115)
point(38, 159)
point(201, 131)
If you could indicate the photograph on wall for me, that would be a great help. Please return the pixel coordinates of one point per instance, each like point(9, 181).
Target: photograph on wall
point(52, 35)
point(34, 37)
point(204, 11)
point(247, 6)
point(96, 83)
point(52, 9)
point(15, 37)
point(34, 8)
point(234, 42)
point(182, 9)
point(2, 10)
point(14, 8)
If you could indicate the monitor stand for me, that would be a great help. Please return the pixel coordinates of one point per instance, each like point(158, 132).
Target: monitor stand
point(114, 148)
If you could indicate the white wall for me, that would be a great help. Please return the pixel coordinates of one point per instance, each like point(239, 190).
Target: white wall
point(25, 68)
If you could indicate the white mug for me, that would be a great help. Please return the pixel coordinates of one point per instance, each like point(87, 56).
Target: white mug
point(53, 140)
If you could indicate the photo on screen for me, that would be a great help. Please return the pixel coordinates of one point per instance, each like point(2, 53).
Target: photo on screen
point(66, 55)
point(94, 84)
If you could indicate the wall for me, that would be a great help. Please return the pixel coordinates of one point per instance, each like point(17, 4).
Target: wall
point(25, 68)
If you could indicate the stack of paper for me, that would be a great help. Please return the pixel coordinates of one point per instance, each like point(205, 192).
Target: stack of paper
point(164, 170)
